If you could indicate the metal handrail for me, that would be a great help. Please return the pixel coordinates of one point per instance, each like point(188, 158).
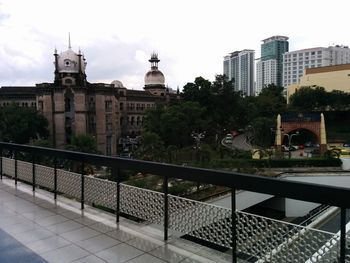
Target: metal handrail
point(311, 192)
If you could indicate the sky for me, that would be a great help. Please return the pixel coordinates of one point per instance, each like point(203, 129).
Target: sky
point(191, 37)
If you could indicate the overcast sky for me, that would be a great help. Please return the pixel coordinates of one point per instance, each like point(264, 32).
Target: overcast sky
point(190, 36)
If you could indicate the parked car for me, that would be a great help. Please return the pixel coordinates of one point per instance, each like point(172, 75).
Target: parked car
point(228, 140)
point(286, 149)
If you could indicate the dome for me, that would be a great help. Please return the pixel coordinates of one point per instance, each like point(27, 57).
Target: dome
point(117, 84)
point(154, 77)
point(68, 62)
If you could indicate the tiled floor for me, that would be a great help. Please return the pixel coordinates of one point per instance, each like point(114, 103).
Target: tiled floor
point(42, 229)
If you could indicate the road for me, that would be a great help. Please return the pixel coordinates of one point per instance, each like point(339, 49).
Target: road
point(239, 142)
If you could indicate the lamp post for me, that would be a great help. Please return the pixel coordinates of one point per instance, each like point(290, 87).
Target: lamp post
point(197, 138)
point(290, 136)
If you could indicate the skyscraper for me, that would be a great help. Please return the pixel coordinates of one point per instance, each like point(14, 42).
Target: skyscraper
point(239, 67)
point(270, 66)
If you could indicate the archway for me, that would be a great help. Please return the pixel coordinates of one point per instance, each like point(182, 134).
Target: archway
point(305, 127)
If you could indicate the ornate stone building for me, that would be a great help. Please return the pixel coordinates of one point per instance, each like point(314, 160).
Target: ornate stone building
point(74, 106)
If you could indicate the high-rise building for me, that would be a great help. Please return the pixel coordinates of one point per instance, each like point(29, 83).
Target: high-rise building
point(270, 66)
point(239, 67)
point(295, 62)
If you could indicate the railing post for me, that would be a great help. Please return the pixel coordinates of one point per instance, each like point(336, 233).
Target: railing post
point(15, 154)
point(55, 178)
point(166, 212)
point(234, 224)
point(82, 186)
point(33, 171)
point(116, 175)
point(342, 234)
point(1, 163)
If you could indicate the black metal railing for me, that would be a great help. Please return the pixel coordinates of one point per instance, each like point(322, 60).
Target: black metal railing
point(327, 195)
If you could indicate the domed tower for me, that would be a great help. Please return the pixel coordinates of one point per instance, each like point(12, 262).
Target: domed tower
point(154, 79)
point(70, 68)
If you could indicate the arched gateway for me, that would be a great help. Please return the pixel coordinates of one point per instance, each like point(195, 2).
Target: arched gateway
point(292, 122)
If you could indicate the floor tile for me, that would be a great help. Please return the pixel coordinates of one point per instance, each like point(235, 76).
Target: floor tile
point(90, 259)
point(146, 258)
point(65, 226)
point(50, 220)
point(38, 214)
point(80, 234)
point(33, 235)
point(21, 227)
point(144, 244)
point(120, 235)
point(65, 254)
point(103, 228)
point(119, 253)
point(85, 221)
point(98, 243)
point(170, 254)
point(48, 244)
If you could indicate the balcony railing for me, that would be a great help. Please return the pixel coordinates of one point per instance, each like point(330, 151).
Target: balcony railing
point(249, 236)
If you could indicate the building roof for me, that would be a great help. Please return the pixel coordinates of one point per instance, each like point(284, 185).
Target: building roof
point(327, 69)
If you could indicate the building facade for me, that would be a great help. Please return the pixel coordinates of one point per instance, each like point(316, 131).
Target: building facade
point(73, 106)
point(295, 62)
point(331, 78)
point(270, 65)
point(239, 67)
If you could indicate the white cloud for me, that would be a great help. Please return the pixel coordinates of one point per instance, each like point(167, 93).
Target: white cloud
point(191, 37)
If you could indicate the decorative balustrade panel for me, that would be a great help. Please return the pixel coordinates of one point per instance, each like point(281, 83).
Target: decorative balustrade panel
point(142, 203)
point(201, 220)
point(8, 166)
point(25, 171)
point(44, 176)
point(100, 192)
point(69, 183)
point(257, 237)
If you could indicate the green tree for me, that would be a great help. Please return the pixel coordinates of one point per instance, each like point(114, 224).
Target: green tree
point(261, 133)
point(175, 123)
point(83, 143)
point(151, 148)
point(21, 125)
point(270, 101)
point(313, 98)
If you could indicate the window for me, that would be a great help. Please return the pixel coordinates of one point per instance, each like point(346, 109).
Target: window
point(41, 105)
point(108, 105)
point(68, 81)
point(121, 106)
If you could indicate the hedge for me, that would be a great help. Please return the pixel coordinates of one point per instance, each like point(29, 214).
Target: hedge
point(275, 163)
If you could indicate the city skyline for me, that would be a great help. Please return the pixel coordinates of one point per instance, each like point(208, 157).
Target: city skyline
point(117, 37)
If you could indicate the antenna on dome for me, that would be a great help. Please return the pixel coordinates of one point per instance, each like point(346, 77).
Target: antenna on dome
point(69, 45)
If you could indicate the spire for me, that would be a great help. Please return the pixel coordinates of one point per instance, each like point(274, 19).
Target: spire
point(154, 61)
point(69, 45)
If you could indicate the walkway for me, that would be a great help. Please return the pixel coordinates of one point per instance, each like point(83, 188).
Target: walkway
point(34, 228)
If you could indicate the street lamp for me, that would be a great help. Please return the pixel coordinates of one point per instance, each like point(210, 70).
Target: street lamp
point(197, 137)
point(290, 136)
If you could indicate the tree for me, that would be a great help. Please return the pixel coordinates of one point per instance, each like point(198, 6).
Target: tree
point(313, 98)
point(83, 143)
point(261, 131)
point(21, 125)
point(271, 101)
point(175, 123)
point(151, 148)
